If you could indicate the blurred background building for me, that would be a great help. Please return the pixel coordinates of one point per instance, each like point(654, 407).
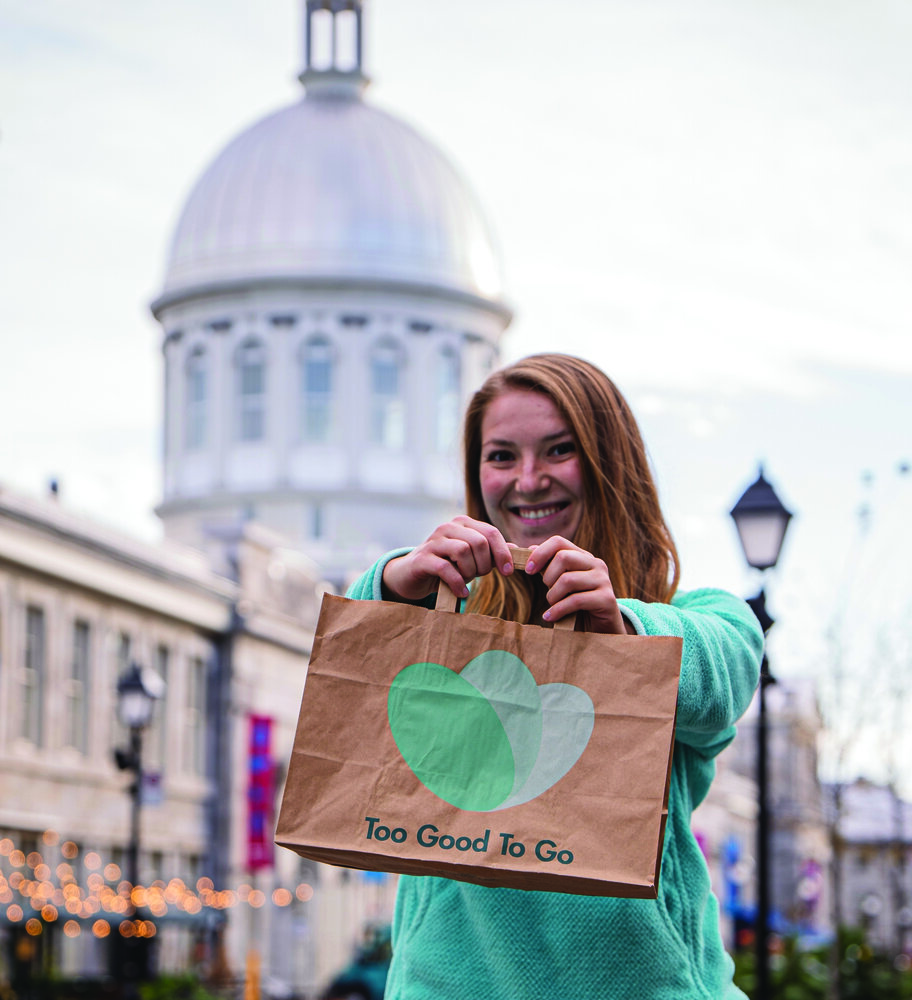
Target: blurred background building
point(871, 828)
point(800, 842)
point(331, 296)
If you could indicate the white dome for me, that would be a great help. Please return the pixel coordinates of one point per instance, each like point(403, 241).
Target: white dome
point(332, 189)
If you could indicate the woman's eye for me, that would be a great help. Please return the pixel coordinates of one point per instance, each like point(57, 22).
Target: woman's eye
point(499, 455)
point(564, 448)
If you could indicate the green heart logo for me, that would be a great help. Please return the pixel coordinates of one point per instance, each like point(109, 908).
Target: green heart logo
point(488, 737)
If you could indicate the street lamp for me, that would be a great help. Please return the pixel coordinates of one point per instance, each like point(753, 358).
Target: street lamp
point(137, 691)
point(761, 520)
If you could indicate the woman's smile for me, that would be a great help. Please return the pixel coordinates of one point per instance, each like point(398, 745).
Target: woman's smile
point(531, 481)
point(538, 513)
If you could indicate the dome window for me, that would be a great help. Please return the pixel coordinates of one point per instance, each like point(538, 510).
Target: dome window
point(387, 407)
point(283, 319)
point(251, 391)
point(316, 391)
point(196, 386)
point(448, 385)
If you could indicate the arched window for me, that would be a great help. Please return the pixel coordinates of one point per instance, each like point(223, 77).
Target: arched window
point(387, 407)
point(316, 390)
point(34, 675)
point(195, 717)
point(447, 399)
point(196, 403)
point(251, 391)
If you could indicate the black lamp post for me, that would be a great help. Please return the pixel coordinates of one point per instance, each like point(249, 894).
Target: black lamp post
point(136, 695)
point(137, 690)
point(761, 520)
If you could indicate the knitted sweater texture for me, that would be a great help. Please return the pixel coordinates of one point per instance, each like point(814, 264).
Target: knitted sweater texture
point(457, 941)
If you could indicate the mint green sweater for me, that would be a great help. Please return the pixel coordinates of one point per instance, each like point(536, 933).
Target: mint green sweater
point(458, 941)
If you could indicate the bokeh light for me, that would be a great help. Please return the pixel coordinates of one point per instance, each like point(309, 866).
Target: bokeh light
point(105, 890)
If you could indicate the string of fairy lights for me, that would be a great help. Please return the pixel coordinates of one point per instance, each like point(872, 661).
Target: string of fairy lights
point(77, 893)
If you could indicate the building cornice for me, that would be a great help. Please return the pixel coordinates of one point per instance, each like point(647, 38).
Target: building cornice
point(214, 501)
point(329, 283)
point(56, 544)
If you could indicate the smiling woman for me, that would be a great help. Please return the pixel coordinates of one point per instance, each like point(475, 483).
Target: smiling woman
point(554, 462)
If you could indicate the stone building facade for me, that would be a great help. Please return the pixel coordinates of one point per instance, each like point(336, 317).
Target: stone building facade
point(872, 861)
point(78, 605)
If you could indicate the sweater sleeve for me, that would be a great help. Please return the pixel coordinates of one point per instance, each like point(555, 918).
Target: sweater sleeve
point(720, 661)
point(368, 586)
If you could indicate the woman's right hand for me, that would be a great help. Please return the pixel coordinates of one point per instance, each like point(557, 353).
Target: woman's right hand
point(455, 553)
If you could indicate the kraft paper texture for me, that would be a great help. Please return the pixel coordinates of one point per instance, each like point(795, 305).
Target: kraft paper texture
point(482, 750)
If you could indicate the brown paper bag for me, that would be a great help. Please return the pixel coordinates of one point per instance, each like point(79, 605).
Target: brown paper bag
point(432, 743)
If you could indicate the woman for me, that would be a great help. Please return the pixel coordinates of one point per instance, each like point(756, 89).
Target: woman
point(554, 461)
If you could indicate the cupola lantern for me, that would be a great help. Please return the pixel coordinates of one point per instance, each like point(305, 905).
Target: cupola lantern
point(333, 50)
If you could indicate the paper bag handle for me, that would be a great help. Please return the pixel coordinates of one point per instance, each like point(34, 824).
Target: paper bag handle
point(447, 600)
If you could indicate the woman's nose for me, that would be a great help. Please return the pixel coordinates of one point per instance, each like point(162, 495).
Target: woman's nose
point(532, 477)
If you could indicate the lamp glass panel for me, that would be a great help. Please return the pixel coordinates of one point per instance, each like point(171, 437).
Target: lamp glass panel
point(761, 537)
point(135, 708)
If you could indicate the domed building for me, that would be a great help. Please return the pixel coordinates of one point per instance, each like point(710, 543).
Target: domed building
point(332, 295)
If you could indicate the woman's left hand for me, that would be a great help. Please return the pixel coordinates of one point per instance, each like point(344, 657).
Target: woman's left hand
point(577, 582)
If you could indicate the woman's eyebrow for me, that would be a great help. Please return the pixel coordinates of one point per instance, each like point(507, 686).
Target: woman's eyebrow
point(500, 442)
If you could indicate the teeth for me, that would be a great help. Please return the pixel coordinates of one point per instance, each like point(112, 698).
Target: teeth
point(536, 513)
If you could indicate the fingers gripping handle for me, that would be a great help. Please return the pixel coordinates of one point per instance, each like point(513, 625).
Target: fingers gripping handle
point(447, 600)
point(520, 557)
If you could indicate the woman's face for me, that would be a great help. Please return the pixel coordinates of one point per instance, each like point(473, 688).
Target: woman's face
point(531, 481)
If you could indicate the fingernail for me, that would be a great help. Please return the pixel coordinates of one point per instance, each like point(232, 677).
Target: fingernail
point(465, 592)
point(547, 616)
point(508, 568)
point(530, 566)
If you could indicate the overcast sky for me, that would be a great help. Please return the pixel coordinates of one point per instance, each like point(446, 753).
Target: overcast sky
point(712, 200)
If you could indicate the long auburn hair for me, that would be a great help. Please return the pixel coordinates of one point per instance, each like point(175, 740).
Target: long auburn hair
point(621, 521)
